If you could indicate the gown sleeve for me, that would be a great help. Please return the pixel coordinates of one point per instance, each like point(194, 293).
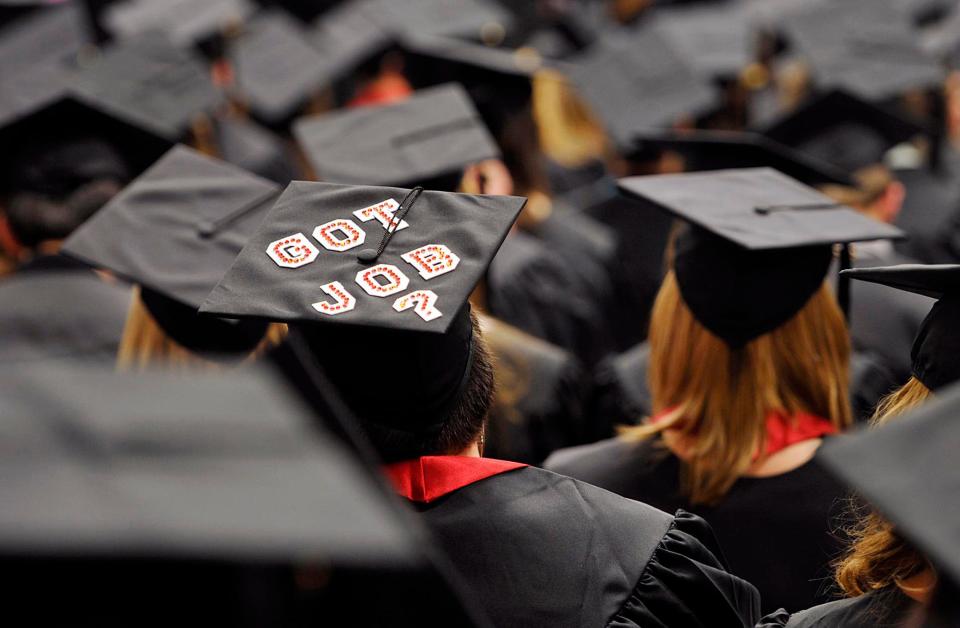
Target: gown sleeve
point(686, 584)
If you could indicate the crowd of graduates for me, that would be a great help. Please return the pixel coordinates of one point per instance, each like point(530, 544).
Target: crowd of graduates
point(621, 313)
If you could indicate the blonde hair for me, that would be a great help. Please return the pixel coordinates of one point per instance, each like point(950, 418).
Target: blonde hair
point(145, 345)
point(569, 133)
point(715, 399)
point(878, 557)
point(871, 183)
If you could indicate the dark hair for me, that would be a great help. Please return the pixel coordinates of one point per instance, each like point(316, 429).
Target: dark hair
point(462, 425)
point(35, 217)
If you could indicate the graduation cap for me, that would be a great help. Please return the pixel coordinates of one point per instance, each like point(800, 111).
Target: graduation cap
point(348, 37)
point(717, 150)
point(634, 79)
point(174, 231)
point(759, 245)
point(867, 47)
point(907, 470)
point(716, 39)
point(936, 350)
point(374, 276)
point(183, 21)
point(843, 129)
point(277, 69)
point(151, 82)
point(478, 20)
point(433, 134)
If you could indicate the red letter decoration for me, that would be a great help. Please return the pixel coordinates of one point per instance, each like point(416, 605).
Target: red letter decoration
point(423, 302)
point(327, 235)
point(383, 213)
point(343, 301)
point(395, 280)
point(292, 251)
point(432, 260)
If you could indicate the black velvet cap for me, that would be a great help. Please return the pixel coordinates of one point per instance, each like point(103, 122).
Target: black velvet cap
point(758, 247)
point(183, 21)
point(434, 133)
point(175, 231)
point(277, 68)
point(716, 150)
point(907, 470)
point(219, 467)
point(314, 262)
point(717, 39)
point(935, 354)
point(843, 129)
point(151, 82)
point(868, 47)
point(635, 79)
point(478, 20)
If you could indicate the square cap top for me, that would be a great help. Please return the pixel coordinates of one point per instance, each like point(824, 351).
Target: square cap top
point(435, 132)
point(503, 62)
point(151, 82)
point(716, 39)
point(635, 79)
point(717, 150)
point(348, 36)
point(276, 67)
point(907, 470)
point(478, 20)
point(867, 47)
point(302, 265)
point(931, 280)
point(183, 21)
point(177, 228)
point(228, 467)
point(757, 208)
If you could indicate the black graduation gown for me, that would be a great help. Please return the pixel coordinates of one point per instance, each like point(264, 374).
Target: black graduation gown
point(879, 609)
point(56, 308)
point(539, 549)
point(931, 212)
point(539, 403)
point(776, 532)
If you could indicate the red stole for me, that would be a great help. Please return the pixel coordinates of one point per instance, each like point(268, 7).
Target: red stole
point(430, 477)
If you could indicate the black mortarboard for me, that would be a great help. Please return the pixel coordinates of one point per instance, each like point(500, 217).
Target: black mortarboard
point(313, 261)
point(717, 150)
point(244, 143)
point(348, 37)
point(907, 470)
point(151, 82)
point(635, 79)
point(936, 350)
point(436, 132)
point(759, 245)
point(175, 231)
point(843, 129)
point(716, 39)
point(34, 158)
point(479, 20)
point(183, 21)
point(276, 67)
point(867, 47)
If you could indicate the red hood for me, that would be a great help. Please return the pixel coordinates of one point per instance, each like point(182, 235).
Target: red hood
point(430, 477)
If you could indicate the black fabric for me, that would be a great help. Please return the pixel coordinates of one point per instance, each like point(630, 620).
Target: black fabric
point(936, 351)
point(181, 20)
point(715, 38)
point(931, 213)
point(254, 148)
point(539, 402)
point(778, 533)
point(887, 608)
point(544, 550)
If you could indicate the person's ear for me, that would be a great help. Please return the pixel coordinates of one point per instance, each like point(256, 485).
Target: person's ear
point(891, 201)
point(8, 242)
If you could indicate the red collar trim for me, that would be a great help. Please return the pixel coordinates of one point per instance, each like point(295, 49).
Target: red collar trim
point(431, 477)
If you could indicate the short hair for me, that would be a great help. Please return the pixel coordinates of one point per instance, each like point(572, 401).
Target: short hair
point(462, 425)
point(35, 217)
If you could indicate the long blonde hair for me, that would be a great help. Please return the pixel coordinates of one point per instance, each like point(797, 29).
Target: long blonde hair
point(715, 399)
point(878, 557)
point(145, 345)
point(569, 133)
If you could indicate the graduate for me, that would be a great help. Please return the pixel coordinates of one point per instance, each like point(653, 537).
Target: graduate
point(173, 232)
point(748, 374)
point(379, 293)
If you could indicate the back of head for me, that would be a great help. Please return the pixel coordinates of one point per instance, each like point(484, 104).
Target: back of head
point(717, 397)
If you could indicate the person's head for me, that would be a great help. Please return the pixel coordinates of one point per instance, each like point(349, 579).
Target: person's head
point(162, 334)
point(717, 397)
point(877, 193)
point(434, 402)
point(878, 557)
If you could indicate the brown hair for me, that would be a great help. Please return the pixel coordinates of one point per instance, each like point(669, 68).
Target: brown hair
point(569, 133)
point(145, 345)
point(878, 557)
point(871, 183)
point(715, 399)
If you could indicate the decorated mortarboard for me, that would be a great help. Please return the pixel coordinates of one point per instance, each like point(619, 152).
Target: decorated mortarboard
point(935, 355)
point(718, 150)
point(150, 82)
point(716, 39)
point(436, 132)
point(374, 276)
point(276, 67)
point(843, 129)
point(175, 231)
point(759, 245)
point(907, 471)
point(867, 47)
point(183, 21)
point(635, 79)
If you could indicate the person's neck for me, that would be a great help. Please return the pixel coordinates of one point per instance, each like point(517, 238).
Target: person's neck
point(473, 451)
point(919, 587)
